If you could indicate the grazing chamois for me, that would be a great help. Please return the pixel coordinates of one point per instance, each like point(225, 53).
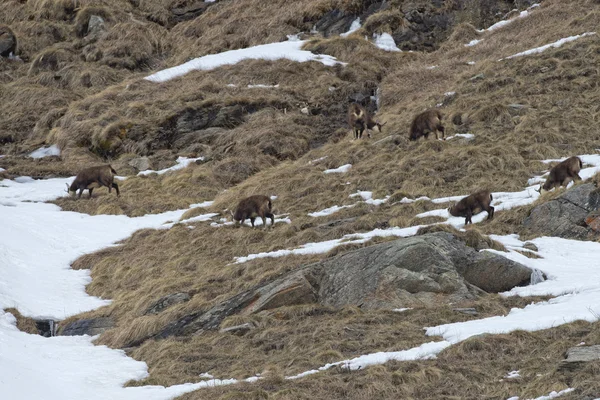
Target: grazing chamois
point(473, 204)
point(425, 123)
point(91, 178)
point(563, 173)
point(359, 120)
point(8, 42)
point(252, 207)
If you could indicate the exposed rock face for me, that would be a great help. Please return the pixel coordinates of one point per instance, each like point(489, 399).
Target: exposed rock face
point(8, 41)
point(140, 163)
point(167, 301)
point(565, 216)
point(92, 326)
point(578, 356)
point(407, 272)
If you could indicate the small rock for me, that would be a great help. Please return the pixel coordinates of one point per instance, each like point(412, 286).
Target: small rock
point(90, 326)
point(140, 163)
point(167, 301)
point(577, 356)
point(96, 25)
point(530, 246)
point(304, 110)
point(239, 330)
point(467, 311)
point(477, 77)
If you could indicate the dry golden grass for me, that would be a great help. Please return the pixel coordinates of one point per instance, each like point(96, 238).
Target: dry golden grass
point(268, 151)
point(24, 324)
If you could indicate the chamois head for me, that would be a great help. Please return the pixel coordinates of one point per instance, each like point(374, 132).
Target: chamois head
point(71, 192)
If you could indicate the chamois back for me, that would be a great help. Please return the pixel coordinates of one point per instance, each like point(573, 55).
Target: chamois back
point(563, 173)
point(472, 205)
point(425, 123)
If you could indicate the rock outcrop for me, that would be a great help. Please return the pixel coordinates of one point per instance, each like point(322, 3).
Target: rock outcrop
point(421, 270)
point(566, 215)
point(91, 326)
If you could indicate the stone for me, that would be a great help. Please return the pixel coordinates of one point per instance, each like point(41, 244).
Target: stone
point(140, 163)
point(579, 355)
point(334, 22)
point(530, 246)
point(467, 311)
point(166, 302)
point(477, 77)
point(239, 330)
point(415, 271)
point(96, 26)
point(565, 215)
point(8, 42)
point(90, 326)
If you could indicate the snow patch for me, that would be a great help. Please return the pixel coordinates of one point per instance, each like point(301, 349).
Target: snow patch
point(181, 163)
point(386, 42)
point(291, 50)
point(353, 28)
point(473, 42)
point(45, 152)
point(339, 170)
point(329, 211)
point(556, 44)
point(505, 22)
point(467, 136)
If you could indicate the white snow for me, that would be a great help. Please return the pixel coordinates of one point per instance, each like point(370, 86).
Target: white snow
point(181, 163)
point(386, 42)
point(262, 86)
point(339, 170)
point(406, 200)
point(368, 198)
point(470, 62)
point(291, 50)
point(503, 23)
point(556, 44)
point(40, 284)
point(258, 222)
point(329, 211)
point(431, 67)
point(401, 309)
point(353, 28)
point(45, 152)
point(467, 136)
point(206, 375)
point(473, 42)
point(551, 395)
point(512, 375)
point(317, 160)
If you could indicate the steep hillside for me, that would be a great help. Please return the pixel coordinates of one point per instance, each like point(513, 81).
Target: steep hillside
point(278, 127)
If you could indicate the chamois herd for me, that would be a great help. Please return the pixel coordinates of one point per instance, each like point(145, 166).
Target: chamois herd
point(359, 120)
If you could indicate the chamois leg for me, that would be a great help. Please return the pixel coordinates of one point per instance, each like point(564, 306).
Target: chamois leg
point(80, 193)
point(272, 217)
point(490, 211)
point(252, 221)
point(577, 177)
point(90, 190)
point(468, 217)
point(441, 129)
point(116, 188)
point(566, 181)
point(264, 220)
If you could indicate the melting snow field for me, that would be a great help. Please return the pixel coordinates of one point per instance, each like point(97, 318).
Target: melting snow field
point(45, 152)
point(556, 44)
point(291, 50)
point(40, 284)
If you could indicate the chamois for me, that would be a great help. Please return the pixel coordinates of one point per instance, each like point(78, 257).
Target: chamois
point(93, 177)
point(425, 123)
point(359, 120)
point(252, 207)
point(473, 204)
point(563, 173)
point(8, 42)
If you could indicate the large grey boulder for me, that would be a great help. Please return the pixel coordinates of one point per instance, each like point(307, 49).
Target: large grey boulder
point(167, 301)
point(91, 326)
point(565, 216)
point(416, 271)
point(578, 356)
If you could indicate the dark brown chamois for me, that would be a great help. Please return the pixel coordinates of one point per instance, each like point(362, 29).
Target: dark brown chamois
point(563, 173)
point(252, 207)
point(473, 204)
point(425, 123)
point(8, 42)
point(359, 120)
point(93, 177)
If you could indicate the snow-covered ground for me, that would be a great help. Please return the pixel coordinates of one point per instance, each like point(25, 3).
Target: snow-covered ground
point(353, 28)
point(505, 22)
point(543, 48)
point(339, 170)
point(386, 42)
point(181, 163)
point(291, 50)
point(41, 284)
point(45, 152)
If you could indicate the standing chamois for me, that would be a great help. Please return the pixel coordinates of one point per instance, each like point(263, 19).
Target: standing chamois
point(473, 204)
point(563, 173)
point(359, 120)
point(425, 123)
point(91, 178)
point(252, 207)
